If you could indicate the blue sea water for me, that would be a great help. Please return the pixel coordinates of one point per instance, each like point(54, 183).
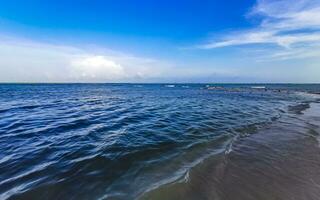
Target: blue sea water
point(118, 141)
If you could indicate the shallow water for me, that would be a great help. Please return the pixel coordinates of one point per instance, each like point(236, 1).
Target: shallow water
point(119, 141)
point(280, 161)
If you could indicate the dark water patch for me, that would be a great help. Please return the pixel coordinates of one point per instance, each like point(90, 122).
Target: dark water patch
point(298, 109)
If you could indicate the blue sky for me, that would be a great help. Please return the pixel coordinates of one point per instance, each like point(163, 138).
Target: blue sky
point(159, 41)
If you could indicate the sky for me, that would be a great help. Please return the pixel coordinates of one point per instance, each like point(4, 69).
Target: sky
point(249, 41)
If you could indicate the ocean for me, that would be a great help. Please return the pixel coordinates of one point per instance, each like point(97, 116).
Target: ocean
point(160, 141)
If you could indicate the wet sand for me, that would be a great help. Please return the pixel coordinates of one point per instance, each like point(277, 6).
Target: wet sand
point(279, 162)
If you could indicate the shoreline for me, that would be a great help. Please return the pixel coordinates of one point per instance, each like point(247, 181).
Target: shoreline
point(278, 162)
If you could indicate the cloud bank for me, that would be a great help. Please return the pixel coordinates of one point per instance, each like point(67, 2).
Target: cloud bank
point(29, 61)
point(23, 60)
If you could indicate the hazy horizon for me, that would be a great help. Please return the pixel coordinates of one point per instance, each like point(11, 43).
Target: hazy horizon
point(178, 83)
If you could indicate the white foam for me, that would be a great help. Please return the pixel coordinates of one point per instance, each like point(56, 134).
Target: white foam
point(258, 87)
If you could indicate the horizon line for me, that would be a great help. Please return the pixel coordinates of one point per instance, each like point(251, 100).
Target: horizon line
point(270, 83)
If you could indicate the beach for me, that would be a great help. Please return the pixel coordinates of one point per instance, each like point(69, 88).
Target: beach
point(279, 162)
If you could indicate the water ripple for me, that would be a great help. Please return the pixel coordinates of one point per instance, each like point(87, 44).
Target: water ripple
point(91, 141)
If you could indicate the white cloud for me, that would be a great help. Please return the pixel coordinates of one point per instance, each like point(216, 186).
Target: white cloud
point(292, 25)
point(96, 67)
